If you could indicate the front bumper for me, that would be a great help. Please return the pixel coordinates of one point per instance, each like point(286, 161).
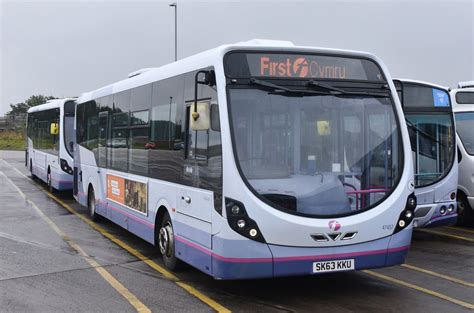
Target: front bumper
point(428, 215)
point(275, 261)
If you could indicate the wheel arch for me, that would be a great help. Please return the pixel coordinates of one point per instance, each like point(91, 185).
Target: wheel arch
point(463, 191)
point(160, 213)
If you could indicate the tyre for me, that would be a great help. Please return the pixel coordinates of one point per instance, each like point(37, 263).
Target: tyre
point(465, 214)
point(33, 176)
point(49, 181)
point(92, 205)
point(166, 244)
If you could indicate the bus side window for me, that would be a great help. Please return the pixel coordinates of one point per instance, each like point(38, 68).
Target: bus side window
point(120, 122)
point(165, 143)
point(140, 105)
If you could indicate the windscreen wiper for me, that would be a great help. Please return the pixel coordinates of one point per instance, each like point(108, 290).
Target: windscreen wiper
point(324, 86)
point(284, 90)
point(338, 91)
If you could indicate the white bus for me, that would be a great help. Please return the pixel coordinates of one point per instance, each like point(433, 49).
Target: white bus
point(463, 104)
point(430, 120)
point(50, 143)
point(259, 159)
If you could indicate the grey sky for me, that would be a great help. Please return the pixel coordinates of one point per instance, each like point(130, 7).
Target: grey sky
point(63, 48)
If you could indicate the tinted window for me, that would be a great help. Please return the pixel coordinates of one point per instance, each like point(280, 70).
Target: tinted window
point(166, 156)
point(139, 129)
point(105, 117)
point(119, 134)
point(87, 127)
point(464, 127)
point(39, 130)
point(139, 118)
point(465, 97)
point(432, 143)
point(69, 108)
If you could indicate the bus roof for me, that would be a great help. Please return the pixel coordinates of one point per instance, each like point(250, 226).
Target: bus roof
point(406, 80)
point(469, 84)
point(211, 57)
point(50, 104)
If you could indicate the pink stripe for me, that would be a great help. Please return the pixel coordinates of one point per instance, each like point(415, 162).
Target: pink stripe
point(192, 244)
point(440, 216)
point(292, 258)
point(340, 255)
point(133, 217)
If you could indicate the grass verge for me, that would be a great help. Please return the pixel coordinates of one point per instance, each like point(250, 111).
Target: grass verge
point(12, 140)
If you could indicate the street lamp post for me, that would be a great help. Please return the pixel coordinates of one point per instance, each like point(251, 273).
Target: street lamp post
point(175, 5)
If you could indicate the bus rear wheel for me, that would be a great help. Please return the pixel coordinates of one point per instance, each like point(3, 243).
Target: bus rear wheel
point(92, 206)
point(166, 244)
point(465, 214)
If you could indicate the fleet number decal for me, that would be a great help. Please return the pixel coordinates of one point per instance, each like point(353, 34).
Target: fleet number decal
point(333, 266)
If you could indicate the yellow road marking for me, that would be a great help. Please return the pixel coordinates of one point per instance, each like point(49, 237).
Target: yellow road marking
point(121, 289)
point(421, 289)
point(436, 232)
point(216, 306)
point(446, 277)
point(193, 291)
point(461, 229)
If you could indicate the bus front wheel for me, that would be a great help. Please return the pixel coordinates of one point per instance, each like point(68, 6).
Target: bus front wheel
point(33, 176)
point(50, 182)
point(166, 244)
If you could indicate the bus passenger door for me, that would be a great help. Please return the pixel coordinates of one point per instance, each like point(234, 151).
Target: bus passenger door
point(195, 202)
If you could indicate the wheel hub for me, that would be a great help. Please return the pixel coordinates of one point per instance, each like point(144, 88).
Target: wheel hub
point(165, 239)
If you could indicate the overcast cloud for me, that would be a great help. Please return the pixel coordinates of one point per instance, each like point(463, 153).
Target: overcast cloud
point(63, 48)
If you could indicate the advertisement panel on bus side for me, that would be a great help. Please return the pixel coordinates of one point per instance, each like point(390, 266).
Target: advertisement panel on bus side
point(127, 192)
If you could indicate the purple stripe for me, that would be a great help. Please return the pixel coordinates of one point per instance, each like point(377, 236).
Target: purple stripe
point(133, 217)
point(441, 216)
point(293, 258)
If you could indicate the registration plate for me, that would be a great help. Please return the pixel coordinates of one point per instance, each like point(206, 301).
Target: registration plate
point(333, 266)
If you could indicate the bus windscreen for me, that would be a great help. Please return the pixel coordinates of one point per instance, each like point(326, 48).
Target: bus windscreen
point(300, 66)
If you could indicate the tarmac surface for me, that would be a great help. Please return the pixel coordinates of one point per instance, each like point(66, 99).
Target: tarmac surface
point(53, 258)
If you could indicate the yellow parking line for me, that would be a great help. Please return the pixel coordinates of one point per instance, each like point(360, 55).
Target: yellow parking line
point(121, 289)
point(436, 232)
point(421, 289)
point(446, 277)
point(461, 229)
point(193, 291)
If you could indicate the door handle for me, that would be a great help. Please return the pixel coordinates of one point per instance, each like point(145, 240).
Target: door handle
point(186, 199)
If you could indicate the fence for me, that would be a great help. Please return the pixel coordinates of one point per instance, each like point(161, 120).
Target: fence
point(12, 122)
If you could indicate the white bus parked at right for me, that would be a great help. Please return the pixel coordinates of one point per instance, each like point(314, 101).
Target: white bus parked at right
point(463, 106)
point(430, 120)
